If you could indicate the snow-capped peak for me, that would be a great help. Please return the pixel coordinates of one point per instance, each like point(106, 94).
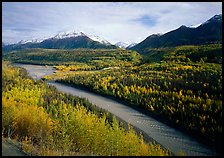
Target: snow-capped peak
point(121, 44)
point(214, 18)
point(74, 33)
point(62, 35)
point(125, 45)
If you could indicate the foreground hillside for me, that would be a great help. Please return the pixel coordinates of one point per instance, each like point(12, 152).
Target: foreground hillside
point(51, 123)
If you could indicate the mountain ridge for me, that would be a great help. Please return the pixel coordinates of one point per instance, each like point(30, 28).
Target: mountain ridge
point(207, 33)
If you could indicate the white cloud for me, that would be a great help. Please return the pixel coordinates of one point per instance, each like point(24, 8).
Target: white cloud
point(112, 21)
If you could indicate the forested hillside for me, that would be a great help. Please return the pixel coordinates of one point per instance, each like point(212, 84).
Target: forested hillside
point(95, 58)
point(211, 53)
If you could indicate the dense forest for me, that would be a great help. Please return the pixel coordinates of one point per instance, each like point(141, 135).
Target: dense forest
point(93, 58)
point(181, 85)
point(49, 122)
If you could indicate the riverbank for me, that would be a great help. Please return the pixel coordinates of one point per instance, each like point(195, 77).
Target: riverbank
point(125, 124)
point(11, 148)
point(170, 138)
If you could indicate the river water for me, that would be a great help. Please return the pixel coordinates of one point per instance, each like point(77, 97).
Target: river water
point(168, 137)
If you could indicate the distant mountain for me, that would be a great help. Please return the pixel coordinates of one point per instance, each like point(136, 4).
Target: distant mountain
point(63, 40)
point(208, 32)
point(124, 45)
point(121, 44)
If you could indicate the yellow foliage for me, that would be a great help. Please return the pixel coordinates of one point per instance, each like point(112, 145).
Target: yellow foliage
point(25, 121)
point(186, 67)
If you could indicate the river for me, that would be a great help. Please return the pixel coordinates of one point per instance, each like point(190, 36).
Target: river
point(170, 138)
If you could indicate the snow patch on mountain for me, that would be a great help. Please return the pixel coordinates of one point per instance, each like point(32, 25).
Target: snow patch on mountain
point(22, 42)
point(98, 39)
point(131, 45)
point(194, 26)
point(30, 41)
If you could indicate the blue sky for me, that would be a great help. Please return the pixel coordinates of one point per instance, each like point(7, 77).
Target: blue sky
point(114, 21)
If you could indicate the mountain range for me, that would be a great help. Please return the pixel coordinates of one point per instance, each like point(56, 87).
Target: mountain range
point(206, 33)
point(63, 40)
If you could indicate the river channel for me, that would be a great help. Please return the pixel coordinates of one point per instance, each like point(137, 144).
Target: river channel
point(170, 138)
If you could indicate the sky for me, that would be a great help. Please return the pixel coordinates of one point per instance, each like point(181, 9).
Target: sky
point(129, 22)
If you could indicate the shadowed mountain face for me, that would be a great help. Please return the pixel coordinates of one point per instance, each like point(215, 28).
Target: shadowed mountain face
point(80, 41)
point(206, 33)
